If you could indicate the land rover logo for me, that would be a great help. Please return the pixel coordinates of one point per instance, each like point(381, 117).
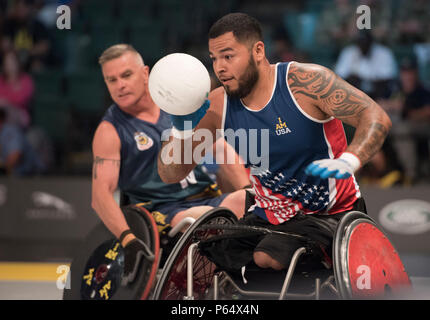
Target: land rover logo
point(48, 206)
point(407, 216)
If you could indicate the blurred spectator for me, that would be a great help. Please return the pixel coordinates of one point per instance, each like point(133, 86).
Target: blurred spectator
point(47, 12)
point(17, 157)
point(16, 90)
point(337, 24)
point(416, 110)
point(25, 34)
point(43, 146)
point(3, 7)
point(385, 169)
point(410, 102)
point(381, 18)
point(372, 67)
point(417, 98)
point(367, 65)
point(282, 47)
point(412, 22)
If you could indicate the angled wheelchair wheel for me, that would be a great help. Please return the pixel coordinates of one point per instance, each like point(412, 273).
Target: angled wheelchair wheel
point(96, 271)
point(366, 265)
point(172, 284)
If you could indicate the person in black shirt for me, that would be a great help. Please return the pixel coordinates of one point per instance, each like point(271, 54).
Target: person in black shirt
point(27, 36)
point(416, 110)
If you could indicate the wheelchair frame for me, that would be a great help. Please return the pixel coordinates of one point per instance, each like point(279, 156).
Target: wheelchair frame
point(337, 282)
point(282, 295)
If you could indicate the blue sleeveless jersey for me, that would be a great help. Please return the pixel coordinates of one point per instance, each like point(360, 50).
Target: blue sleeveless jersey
point(140, 144)
point(281, 141)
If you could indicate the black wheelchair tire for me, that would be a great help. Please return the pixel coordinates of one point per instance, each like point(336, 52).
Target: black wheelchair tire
point(338, 244)
point(139, 223)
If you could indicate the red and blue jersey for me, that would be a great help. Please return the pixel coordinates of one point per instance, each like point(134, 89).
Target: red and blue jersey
point(286, 139)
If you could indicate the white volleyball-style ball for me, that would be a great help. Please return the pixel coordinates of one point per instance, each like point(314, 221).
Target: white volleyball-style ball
point(179, 83)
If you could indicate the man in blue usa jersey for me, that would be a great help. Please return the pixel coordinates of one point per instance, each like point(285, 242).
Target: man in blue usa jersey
point(308, 181)
point(125, 148)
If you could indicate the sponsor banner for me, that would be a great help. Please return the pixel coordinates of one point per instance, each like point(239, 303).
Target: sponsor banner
point(403, 214)
point(46, 208)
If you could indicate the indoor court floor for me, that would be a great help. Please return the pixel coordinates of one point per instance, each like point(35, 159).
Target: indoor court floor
point(45, 281)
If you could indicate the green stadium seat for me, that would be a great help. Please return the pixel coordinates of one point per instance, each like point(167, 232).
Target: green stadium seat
point(174, 14)
point(51, 113)
point(87, 93)
point(317, 6)
point(96, 11)
point(402, 51)
point(49, 81)
point(148, 41)
point(174, 4)
point(325, 56)
point(132, 10)
point(104, 36)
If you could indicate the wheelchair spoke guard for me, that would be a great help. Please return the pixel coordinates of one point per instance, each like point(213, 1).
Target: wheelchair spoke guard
point(97, 269)
point(366, 265)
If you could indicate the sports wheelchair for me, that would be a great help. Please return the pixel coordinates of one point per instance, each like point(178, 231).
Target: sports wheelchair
point(363, 264)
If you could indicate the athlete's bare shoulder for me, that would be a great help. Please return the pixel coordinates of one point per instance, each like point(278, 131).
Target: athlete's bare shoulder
point(106, 137)
point(308, 79)
point(105, 128)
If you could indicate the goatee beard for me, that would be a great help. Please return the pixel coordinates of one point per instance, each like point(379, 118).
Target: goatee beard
point(246, 82)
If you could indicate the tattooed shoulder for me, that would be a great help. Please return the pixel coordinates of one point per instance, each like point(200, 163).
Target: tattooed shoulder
point(327, 91)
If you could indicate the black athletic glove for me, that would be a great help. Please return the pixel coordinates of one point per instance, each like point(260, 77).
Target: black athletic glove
point(133, 253)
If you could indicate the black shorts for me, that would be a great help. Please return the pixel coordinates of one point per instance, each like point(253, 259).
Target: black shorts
point(232, 254)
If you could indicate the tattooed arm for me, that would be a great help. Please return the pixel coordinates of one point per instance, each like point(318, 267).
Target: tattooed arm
point(323, 94)
point(106, 165)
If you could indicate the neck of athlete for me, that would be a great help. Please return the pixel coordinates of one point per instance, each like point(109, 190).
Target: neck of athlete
point(145, 109)
point(262, 91)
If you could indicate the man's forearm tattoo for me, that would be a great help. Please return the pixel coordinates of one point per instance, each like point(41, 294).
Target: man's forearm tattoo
point(368, 140)
point(99, 161)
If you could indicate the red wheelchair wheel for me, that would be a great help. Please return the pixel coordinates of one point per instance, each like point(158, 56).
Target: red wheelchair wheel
point(366, 265)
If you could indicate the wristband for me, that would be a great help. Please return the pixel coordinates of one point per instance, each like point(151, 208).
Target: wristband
point(124, 234)
point(351, 159)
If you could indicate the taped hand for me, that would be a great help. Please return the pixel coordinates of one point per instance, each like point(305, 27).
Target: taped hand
point(340, 168)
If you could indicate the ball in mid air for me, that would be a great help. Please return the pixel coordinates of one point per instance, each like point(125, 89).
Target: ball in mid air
point(179, 83)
